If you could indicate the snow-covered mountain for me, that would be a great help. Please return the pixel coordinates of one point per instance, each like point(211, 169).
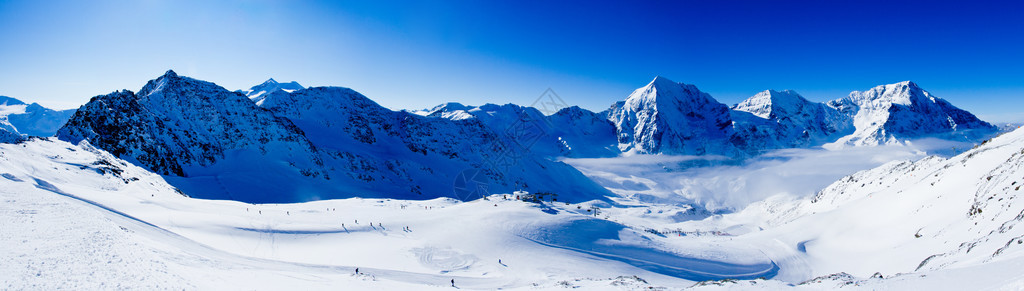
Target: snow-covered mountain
point(402, 154)
point(897, 112)
point(258, 92)
point(676, 118)
point(310, 144)
point(773, 120)
point(673, 118)
point(210, 142)
point(19, 118)
point(571, 131)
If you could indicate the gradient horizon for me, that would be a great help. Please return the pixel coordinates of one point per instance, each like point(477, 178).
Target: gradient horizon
point(417, 54)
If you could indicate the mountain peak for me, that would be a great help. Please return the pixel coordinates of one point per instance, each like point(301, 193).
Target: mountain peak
point(664, 117)
point(257, 93)
point(170, 74)
point(896, 112)
point(907, 83)
point(785, 95)
point(903, 93)
point(765, 103)
point(660, 81)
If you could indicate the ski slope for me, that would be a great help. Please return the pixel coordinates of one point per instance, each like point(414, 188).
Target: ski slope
point(98, 220)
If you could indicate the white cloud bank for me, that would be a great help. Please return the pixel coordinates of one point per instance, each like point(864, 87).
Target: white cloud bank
point(722, 185)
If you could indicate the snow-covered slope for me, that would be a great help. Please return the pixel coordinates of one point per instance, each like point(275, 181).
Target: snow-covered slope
point(405, 155)
point(572, 131)
point(897, 112)
point(258, 93)
point(673, 118)
point(92, 220)
point(30, 119)
point(903, 217)
point(774, 120)
point(219, 143)
point(583, 133)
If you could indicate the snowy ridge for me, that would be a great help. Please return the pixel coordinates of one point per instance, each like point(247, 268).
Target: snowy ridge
point(571, 131)
point(787, 120)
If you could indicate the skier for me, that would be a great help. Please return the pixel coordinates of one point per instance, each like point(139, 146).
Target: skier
point(453, 282)
point(357, 271)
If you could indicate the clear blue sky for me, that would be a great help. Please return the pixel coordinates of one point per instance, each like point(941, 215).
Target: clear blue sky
point(421, 53)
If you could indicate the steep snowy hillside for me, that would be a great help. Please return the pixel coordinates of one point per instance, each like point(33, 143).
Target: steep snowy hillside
point(217, 143)
point(897, 112)
point(930, 215)
point(10, 137)
point(774, 120)
point(30, 119)
point(258, 93)
point(405, 155)
point(673, 118)
point(583, 133)
point(572, 131)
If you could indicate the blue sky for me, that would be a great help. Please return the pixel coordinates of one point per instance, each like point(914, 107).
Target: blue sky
point(416, 54)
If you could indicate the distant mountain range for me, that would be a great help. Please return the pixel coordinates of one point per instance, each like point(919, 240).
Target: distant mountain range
point(666, 117)
point(282, 142)
point(677, 118)
point(19, 120)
